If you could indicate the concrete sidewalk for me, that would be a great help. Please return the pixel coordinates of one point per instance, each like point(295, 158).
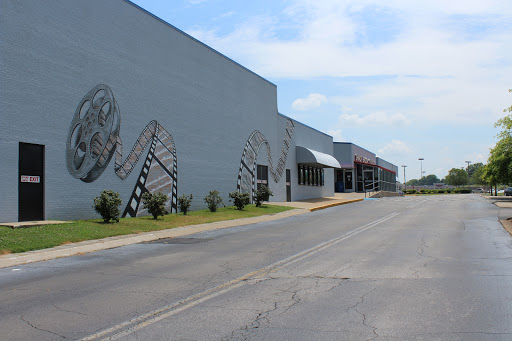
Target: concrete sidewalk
point(73, 249)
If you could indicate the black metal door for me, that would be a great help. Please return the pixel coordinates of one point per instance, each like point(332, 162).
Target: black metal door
point(261, 176)
point(288, 186)
point(348, 180)
point(31, 182)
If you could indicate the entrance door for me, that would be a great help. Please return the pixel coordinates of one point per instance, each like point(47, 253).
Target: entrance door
point(348, 180)
point(368, 180)
point(288, 186)
point(261, 176)
point(31, 182)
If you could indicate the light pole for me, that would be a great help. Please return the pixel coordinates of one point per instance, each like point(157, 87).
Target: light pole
point(468, 162)
point(405, 186)
point(421, 165)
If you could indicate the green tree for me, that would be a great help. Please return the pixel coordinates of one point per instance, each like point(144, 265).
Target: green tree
point(473, 168)
point(413, 182)
point(499, 164)
point(429, 180)
point(184, 203)
point(263, 194)
point(213, 200)
point(240, 199)
point(155, 203)
point(107, 205)
point(457, 177)
point(477, 177)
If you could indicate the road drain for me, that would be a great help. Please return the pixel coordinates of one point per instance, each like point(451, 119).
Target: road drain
point(179, 241)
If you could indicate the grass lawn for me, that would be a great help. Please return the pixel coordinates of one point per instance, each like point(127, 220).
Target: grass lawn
point(41, 237)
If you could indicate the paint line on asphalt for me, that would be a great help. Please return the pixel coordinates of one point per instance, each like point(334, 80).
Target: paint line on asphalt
point(417, 204)
point(139, 322)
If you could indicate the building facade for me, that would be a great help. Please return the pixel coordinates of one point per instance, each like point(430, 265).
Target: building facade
point(101, 94)
point(362, 171)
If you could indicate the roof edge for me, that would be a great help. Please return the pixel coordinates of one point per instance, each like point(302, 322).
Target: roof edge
point(196, 40)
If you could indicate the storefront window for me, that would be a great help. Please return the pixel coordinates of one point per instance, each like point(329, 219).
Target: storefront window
point(311, 176)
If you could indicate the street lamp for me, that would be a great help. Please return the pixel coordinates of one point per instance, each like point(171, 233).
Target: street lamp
point(468, 162)
point(421, 165)
point(405, 186)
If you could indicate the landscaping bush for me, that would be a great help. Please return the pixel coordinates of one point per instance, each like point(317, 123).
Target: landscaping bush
point(107, 205)
point(263, 194)
point(440, 191)
point(411, 191)
point(240, 199)
point(184, 203)
point(154, 203)
point(448, 190)
point(423, 191)
point(213, 200)
point(465, 191)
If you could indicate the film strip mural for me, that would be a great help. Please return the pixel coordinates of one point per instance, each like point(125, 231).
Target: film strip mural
point(94, 138)
point(247, 172)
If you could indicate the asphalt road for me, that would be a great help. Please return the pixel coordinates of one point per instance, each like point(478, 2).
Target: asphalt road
point(414, 268)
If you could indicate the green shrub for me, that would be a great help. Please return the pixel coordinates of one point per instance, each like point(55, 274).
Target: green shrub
point(448, 190)
point(107, 205)
point(240, 199)
point(411, 191)
point(465, 191)
point(155, 203)
point(213, 200)
point(440, 191)
point(184, 203)
point(423, 191)
point(263, 194)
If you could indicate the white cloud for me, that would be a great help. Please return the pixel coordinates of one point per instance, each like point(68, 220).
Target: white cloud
point(445, 66)
point(376, 118)
point(394, 147)
point(312, 101)
point(336, 135)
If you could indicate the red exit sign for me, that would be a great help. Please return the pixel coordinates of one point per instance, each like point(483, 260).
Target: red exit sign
point(30, 178)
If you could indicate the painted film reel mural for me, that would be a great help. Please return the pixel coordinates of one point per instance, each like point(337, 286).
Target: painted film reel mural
point(247, 172)
point(94, 138)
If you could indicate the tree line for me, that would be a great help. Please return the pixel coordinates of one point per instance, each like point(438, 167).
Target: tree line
point(497, 171)
point(473, 175)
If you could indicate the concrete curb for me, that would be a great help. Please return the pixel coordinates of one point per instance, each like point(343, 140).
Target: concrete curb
point(87, 246)
point(334, 204)
point(507, 225)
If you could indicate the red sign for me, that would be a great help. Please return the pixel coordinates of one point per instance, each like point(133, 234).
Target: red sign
point(30, 178)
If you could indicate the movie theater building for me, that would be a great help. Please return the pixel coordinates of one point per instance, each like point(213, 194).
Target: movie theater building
point(101, 94)
point(362, 171)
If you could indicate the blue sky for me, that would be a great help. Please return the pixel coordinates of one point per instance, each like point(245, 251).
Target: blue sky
point(404, 79)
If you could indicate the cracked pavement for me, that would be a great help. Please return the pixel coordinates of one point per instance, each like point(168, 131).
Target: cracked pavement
point(438, 270)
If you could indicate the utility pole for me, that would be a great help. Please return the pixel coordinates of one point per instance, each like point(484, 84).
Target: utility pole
point(421, 165)
point(469, 180)
point(405, 186)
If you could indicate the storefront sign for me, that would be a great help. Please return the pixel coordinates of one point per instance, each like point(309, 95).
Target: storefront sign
point(365, 160)
point(30, 178)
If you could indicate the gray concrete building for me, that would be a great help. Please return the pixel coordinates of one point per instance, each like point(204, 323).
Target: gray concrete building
point(101, 94)
point(118, 99)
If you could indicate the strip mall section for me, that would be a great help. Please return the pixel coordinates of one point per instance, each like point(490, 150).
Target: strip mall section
point(362, 171)
point(101, 94)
